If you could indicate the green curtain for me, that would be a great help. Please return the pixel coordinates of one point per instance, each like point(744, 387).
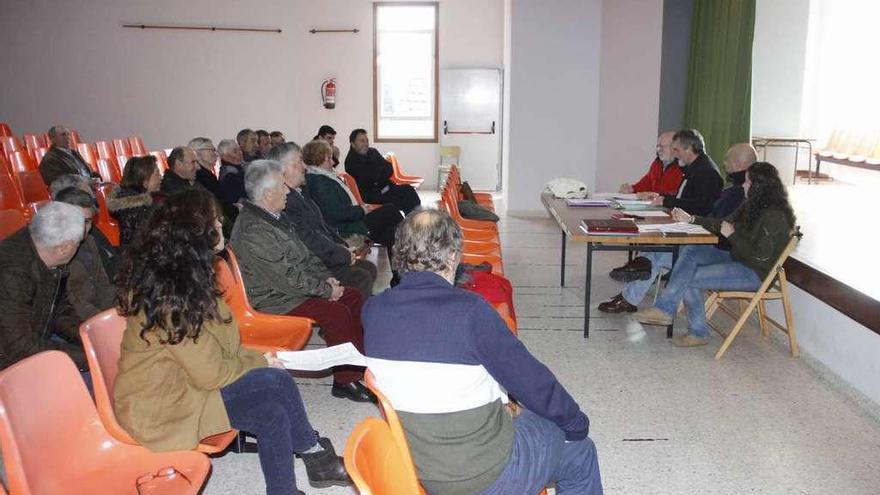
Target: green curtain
point(719, 91)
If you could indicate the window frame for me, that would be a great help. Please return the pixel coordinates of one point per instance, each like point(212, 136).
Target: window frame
point(436, 109)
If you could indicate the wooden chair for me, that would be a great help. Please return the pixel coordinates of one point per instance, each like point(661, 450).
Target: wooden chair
point(11, 221)
point(48, 419)
point(263, 331)
point(774, 287)
point(102, 340)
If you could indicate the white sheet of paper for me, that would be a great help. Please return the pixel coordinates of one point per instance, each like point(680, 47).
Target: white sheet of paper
point(678, 227)
point(614, 195)
point(646, 213)
point(322, 359)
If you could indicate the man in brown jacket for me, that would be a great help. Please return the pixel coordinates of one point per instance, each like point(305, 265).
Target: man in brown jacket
point(61, 160)
point(35, 315)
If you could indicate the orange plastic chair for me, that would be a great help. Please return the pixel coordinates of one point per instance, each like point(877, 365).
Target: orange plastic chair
point(137, 146)
point(31, 208)
point(483, 198)
point(102, 338)
point(39, 153)
point(106, 150)
point(263, 331)
point(74, 138)
point(90, 154)
point(375, 463)
point(397, 175)
point(10, 194)
point(161, 160)
point(352, 184)
point(5, 130)
point(32, 186)
point(5, 167)
point(468, 232)
point(47, 419)
point(11, 221)
point(21, 161)
point(10, 144)
point(109, 170)
point(34, 142)
point(452, 207)
point(106, 223)
point(122, 147)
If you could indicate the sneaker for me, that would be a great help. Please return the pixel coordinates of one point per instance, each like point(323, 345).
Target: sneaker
point(653, 316)
point(688, 340)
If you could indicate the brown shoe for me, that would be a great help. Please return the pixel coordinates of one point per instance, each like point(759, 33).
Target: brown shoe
point(617, 304)
point(688, 340)
point(653, 316)
point(637, 269)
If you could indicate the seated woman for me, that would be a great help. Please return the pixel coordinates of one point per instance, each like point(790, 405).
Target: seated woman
point(131, 203)
point(183, 374)
point(757, 233)
point(339, 206)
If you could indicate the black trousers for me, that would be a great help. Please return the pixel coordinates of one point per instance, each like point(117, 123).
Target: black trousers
point(382, 223)
point(403, 197)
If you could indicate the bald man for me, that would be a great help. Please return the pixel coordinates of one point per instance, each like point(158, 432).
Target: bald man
point(664, 175)
point(641, 273)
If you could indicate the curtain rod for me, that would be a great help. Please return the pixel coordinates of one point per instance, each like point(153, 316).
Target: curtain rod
point(352, 31)
point(203, 28)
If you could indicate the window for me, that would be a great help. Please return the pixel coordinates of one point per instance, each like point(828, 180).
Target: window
point(405, 67)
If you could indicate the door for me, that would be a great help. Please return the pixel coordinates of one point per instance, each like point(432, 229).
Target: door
point(470, 118)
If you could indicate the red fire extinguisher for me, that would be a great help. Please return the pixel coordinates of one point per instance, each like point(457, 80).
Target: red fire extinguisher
point(328, 93)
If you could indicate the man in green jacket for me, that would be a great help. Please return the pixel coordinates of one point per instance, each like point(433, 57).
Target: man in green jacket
point(282, 276)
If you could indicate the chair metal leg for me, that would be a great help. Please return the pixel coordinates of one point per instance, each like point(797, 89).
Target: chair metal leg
point(789, 319)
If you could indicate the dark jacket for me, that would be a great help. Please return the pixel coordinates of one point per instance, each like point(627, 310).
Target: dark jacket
point(106, 250)
point(58, 162)
point(304, 216)
point(173, 183)
point(730, 200)
point(371, 171)
point(279, 271)
point(700, 187)
point(33, 305)
point(230, 212)
point(757, 245)
point(232, 182)
point(336, 205)
point(131, 207)
point(88, 286)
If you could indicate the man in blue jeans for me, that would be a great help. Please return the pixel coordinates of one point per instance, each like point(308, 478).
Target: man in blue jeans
point(642, 272)
point(446, 362)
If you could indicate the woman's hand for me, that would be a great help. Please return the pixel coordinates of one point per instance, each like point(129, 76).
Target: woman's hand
point(680, 215)
point(274, 362)
point(727, 229)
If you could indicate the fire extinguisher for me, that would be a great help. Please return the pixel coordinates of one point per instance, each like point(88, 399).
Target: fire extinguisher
point(328, 93)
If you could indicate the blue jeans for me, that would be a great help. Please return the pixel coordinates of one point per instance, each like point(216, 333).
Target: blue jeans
point(636, 290)
point(701, 267)
point(540, 454)
point(266, 403)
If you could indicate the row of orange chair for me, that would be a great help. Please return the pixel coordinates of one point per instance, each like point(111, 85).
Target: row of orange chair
point(397, 175)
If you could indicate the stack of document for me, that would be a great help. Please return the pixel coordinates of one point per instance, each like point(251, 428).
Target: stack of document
point(322, 359)
point(681, 228)
point(588, 202)
point(624, 196)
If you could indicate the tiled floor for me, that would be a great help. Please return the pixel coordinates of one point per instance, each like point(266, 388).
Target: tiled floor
point(665, 420)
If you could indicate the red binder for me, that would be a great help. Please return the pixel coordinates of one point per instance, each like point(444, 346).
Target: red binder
point(610, 226)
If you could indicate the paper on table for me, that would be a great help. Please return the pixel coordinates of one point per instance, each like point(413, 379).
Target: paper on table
point(645, 213)
point(612, 195)
point(322, 359)
point(678, 227)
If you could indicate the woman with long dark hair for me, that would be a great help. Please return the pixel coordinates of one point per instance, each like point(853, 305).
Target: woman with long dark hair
point(758, 232)
point(183, 374)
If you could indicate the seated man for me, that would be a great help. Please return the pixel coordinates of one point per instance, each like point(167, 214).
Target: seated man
point(247, 140)
point(664, 175)
point(181, 173)
point(276, 138)
point(373, 175)
point(35, 314)
point(264, 143)
point(283, 277)
point(641, 273)
point(304, 217)
point(231, 172)
point(108, 252)
point(206, 157)
point(62, 160)
point(328, 134)
point(88, 288)
point(442, 355)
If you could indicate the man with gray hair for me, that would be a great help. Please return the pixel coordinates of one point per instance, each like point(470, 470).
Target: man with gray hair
point(445, 358)
point(206, 157)
point(35, 314)
point(61, 159)
point(231, 172)
point(282, 276)
point(304, 217)
point(70, 180)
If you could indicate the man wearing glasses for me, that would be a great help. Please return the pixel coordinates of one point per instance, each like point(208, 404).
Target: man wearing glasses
point(206, 156)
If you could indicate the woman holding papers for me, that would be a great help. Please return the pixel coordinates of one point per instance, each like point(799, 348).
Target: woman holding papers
point(183, 374)
point(757, 233)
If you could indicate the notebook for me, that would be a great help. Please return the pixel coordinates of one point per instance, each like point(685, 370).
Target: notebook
point(610, 226)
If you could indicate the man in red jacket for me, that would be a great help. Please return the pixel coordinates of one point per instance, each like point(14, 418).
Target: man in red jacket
point(664, 175)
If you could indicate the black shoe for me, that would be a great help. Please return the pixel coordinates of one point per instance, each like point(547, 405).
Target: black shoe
point(354, 391)
point(395, 279)
point(637, 269)
point(325, 468)
point(617, 304)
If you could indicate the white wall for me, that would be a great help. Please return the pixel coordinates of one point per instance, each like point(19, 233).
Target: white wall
point(553, 95)
point(74, 64)
point(629, 90)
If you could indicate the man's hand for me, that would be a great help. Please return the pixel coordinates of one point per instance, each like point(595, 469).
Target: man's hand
point(680, 215)
point(625, 188)
point(647, 195)
point(657, 201)
point(337, 292)
point(274, 362)
point(513, 409)
point(727, 229)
